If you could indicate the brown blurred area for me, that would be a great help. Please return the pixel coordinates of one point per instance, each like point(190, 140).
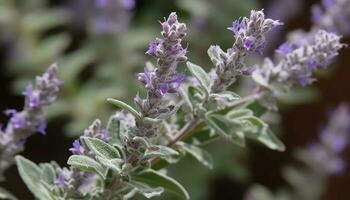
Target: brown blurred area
point(300, 126)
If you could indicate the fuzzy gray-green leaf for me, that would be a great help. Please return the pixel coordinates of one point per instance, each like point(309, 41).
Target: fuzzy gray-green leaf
point(101, 148)
point(200, 74)
point(157, 179)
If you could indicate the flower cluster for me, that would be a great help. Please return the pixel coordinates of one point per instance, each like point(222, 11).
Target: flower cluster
point(298, 63)
point(30, 120)
point(249, 36)
point(332, 15)
point(163, 79)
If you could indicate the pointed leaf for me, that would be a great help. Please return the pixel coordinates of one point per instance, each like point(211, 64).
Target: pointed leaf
point(146, 190)
point(31, 176)
point(226, 128)
point(157, 179)
point(125, 106)
point(199, 154)
point(87, 164)
point(101, 148)
point(201, 75)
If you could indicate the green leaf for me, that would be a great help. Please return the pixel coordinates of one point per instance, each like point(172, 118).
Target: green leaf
point(199, 154)
point(114, 164)
point(49, 173)
point(101, 148)
point(260, 131)
point(31, 176)
point(271, 141)
point(114, 128)
point(201, 75)
point(233, 114)
point(202, 136)
point(146, 190)
point(228, 129)
point(183, 91)
point(125, 106)
point(4, 194)
point(157, 179)
point(163, 152)
point(225, 95)
point(87, 164)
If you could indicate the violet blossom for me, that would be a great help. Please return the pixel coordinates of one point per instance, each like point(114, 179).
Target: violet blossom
point(31, 119)
point(249, 34)
point(164, 78)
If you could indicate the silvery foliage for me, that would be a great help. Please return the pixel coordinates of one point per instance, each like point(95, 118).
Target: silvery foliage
point(128, 157)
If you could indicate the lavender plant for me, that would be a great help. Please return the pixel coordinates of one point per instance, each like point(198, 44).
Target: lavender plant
point(23, 124)
point(128, 157)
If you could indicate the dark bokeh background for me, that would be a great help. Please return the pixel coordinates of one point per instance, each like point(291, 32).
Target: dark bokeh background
point(300, 125)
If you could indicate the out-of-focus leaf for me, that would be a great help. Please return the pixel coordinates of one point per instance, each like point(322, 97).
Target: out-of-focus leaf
point(45, 19)
point(4, 194)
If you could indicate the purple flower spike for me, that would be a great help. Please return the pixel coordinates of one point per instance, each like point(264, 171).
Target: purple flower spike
point(77, 148)
point(60, 179)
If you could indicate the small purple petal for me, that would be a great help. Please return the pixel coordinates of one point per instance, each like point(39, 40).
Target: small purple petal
point(105, 136)
point(18, 121)
point(41, 127)
point(249, 42)
point(60, 179)
point(237, 25)
point(76, 149)
point(153, 48)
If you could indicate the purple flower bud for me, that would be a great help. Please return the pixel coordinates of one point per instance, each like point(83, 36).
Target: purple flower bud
point(18, 121)
point(237, 25)
point(249, 42)
point(41, 127)
point(77, 148)
point(60, 179)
